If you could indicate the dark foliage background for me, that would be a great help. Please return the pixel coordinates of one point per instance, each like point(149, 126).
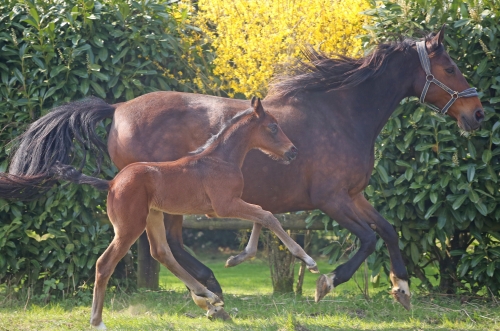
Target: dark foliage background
point(58, 51)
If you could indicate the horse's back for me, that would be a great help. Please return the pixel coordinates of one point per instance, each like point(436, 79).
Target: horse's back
point(164, 126)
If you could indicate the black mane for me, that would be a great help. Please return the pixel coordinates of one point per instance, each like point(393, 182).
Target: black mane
point(214, 140)
point(322, 73)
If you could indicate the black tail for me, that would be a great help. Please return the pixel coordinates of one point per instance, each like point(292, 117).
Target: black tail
point(50, 140)
point(69, 173)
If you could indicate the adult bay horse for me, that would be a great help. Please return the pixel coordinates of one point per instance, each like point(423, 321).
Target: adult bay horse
point(332, 109)
point(209, 181)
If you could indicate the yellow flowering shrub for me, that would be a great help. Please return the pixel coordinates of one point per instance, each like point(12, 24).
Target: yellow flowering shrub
point(252, 38)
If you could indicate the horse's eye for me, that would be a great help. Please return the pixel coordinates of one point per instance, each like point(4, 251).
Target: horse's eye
point(273, 127)
point(450, 70)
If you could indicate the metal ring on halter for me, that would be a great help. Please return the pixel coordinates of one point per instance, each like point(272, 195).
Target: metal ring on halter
point(431, 77)
point(455, 95)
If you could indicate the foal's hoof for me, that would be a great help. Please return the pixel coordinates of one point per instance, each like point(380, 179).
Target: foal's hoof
point(324, 285)
point(217, 313)
point(233, 261)
point(314, 269)
point(402, 298)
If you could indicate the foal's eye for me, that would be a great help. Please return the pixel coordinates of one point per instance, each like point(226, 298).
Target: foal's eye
point(273, 127)
point(450, 70)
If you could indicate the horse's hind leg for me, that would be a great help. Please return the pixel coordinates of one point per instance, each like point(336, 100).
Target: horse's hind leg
point(399, 275)
point(123, 240)
point(173, 227)
point(162, 253)
point(250, 250)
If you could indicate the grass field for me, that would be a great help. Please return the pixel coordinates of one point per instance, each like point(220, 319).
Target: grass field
point(249, 300)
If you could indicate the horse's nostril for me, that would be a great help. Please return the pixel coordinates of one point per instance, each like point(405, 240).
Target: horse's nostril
point(479, 115)
point(294, 150)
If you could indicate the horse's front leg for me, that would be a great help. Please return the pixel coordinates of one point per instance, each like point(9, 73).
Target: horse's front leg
point(344, 211)
point(250, 250)
point(398, 275)
point(237, 208)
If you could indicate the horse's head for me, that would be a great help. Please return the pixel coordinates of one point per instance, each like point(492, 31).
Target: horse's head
point(442, 84)
point(269, 137)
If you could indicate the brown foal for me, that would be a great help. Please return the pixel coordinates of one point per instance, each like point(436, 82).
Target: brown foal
point(209, 181)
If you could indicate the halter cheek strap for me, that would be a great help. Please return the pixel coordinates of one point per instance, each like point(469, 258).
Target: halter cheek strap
point(429, 78)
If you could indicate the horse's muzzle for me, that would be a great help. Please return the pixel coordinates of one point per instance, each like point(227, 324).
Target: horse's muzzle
point(291, 154)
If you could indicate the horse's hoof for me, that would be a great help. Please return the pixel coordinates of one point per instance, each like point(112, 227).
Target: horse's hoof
point(402, 298)
point(217, 313)
point(324, 285)
point(101, 326)
point(232, 261)
point(314, 269)
point(205, 302)
point(216, 301)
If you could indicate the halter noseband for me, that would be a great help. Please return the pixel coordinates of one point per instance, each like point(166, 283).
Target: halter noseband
point(429, 78)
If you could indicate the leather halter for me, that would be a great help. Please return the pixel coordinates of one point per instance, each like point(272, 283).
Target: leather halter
point(429, 78)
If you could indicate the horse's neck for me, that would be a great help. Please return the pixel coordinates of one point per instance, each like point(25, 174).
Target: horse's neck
point(362, 111)
point(232, 148)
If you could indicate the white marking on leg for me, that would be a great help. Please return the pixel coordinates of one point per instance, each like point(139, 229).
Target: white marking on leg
point(101, 326)
point(402, 286)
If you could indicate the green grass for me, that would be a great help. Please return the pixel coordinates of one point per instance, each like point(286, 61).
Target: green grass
point(249, 299)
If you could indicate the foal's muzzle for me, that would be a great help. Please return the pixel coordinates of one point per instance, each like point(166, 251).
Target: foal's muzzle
point(291, 154)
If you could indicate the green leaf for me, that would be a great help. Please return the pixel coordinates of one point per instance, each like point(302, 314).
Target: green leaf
point(459, 201)
point(481, 207)
point(432, 210)
point(419, 196)
point(415, 254)
point(461, 22)
point(473, 196)
point(433, 197)
point(69, 248)
point(486, 156)
point(490, 269)
point(98, 89)
point(382, 173)
point(471, 171)
point(441, 222)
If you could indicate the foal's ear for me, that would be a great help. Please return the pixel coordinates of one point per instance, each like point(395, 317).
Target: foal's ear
point(437, 40)
point(257, 107)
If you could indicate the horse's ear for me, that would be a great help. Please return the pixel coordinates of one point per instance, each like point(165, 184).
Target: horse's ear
point(257, 107)
point(437, 40)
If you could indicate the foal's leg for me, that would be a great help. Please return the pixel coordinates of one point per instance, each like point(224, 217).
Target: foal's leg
point(238, 208)
point(125, 236)
point(249, 251)
point(343, 210)
point(399, 275)
point(161, 252)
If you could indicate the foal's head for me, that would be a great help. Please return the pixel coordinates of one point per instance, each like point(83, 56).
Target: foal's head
point(267, 135)
point(468, 111)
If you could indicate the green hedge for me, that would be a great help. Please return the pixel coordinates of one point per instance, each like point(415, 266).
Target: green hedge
point(438, 186)
point(58, 51)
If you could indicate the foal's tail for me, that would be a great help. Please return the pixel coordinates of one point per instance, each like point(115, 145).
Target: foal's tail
point(69, 173)
point(51, 139)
